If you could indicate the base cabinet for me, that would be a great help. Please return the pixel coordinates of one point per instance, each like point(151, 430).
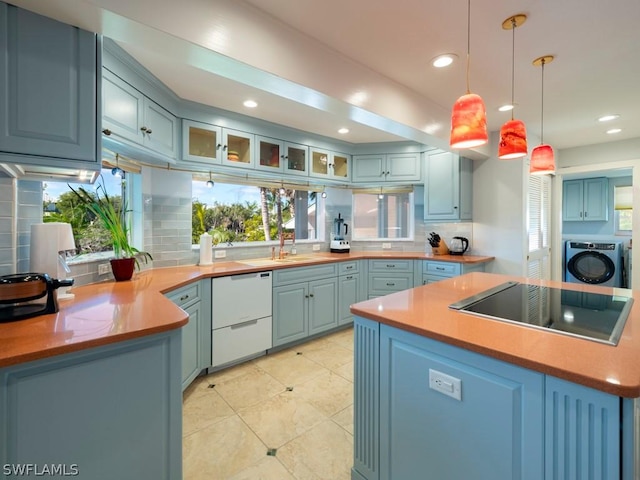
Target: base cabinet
point(305, 302)
point(508, 423)
point(107, 412)
point(195, 299)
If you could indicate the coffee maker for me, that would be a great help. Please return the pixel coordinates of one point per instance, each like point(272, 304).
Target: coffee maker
point(339, 243)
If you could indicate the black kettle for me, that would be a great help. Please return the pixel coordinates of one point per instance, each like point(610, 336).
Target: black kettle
point(458, 246)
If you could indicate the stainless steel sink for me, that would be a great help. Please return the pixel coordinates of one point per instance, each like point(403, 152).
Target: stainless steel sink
point(261, 262)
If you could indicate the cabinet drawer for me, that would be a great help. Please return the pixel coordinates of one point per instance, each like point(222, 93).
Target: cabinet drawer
point(427, 278)
point(304, 274)
point(346, 268)
point(389, 283)
point(391, 265)
point(241, 340)
point(445, 269)
point(185, 295)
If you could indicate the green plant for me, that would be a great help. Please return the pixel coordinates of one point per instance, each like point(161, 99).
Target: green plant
point(112, 214)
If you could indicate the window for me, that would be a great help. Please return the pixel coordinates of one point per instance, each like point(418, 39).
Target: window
point(382, 215)
point(234, 213)
point(623, 200)
point(60, 205)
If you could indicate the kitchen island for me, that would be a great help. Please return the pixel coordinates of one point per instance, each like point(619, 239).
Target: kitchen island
point(96, 388)
point(447, 395)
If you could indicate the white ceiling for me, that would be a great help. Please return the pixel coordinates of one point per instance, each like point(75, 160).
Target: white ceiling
point(318, 65)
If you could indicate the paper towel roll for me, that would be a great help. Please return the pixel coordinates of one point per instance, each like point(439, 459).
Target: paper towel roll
point(206, 252)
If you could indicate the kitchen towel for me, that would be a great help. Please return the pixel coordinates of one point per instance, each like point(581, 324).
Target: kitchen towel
point(206, 252)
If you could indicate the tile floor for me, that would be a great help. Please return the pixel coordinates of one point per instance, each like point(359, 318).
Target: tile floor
point(298, 401)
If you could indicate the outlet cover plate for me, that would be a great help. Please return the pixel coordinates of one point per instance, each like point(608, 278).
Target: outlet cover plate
point(316, 247)
point(104, 268)
point(219, 253)
point(386, 246)
point(445, 384)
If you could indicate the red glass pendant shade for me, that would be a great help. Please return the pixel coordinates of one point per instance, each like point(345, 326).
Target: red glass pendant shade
point(468, 122)
point(542, 160)
point(513, 140)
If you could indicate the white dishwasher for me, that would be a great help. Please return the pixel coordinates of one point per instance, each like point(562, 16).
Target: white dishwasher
point(241, 316)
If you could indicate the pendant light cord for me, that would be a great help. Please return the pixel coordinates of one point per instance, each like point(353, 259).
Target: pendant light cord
point(513, 63)
point(542, 62)
point(468, 43)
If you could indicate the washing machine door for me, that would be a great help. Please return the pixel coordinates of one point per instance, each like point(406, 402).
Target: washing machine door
point(591, 267)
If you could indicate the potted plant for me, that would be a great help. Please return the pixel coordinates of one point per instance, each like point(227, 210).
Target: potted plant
point(112, 215)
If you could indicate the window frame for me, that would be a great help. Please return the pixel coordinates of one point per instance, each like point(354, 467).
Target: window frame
point(410, 226)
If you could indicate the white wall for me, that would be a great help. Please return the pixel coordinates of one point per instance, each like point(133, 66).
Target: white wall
point(598, 154)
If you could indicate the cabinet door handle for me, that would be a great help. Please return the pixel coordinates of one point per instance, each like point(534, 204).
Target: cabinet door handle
point(390, 265)
point(440, 268)
point(106, 131)
point(349, 267)
point(148, 131)
point(218, 146)
point(183, 298)
point(390, 284)
point(143, 128)
point(224, 148)
point(585, 214)
point(455, 208)
point(349, 277)
point(306, 296)
point(311, 294)
point(580, 214)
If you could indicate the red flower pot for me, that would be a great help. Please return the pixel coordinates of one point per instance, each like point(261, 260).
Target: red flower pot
point(122, 268)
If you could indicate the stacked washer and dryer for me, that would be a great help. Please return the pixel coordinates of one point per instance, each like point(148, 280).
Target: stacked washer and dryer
point(595, 263)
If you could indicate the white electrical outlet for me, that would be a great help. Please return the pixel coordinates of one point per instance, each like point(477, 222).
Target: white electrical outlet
point(316, 247)
point(386, 246)
point(445, 384)
point(219, 253)
point(104, 268)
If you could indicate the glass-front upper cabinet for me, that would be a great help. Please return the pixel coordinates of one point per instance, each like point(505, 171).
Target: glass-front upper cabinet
point(236, 148)
point(329, 164)
point(296, 159)
point(201, 142)
point(270, 154)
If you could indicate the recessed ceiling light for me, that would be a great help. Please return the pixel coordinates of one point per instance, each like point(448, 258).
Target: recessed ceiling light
point(250, 103)
point(443, 60)
point(343, 130)
point(505, 108)
point(614, 130)
point(608, 118)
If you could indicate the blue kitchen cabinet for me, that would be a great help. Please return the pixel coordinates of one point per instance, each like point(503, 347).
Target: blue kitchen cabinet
point(134, 120)
point(349, 290)
point(495, 430)
point(305, 302)
point(388, 276)
point(434, 271)
point(112, 411)
point(195, 299)
point(49, 86)
point(448, 188)
point(381, 168)
point(585, 200)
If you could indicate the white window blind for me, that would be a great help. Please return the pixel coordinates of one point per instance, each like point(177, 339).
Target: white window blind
point(539, 210)
point(623, 197)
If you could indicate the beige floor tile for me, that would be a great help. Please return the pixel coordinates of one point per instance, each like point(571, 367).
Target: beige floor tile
point(345, 371)
point(281, 418)
point(290, 368)
point(269, 468)
point(330, 356)
point(344, 338)
point(203, 410)
point(329, 393)
point(253, 387)
point(221, 450)
point(344, 418)
point(230, 373)
point(323, 453)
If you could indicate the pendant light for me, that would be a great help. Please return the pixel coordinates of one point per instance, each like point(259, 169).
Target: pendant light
point(513, 135)
point(469, 115)
point(117, 171)
point(542, 160)
point(210, 181)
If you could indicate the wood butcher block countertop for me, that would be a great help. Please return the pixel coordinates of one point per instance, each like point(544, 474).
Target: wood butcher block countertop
point(424, 311)
point(110, 312)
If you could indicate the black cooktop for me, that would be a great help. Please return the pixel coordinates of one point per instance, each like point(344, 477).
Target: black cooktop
point(593, 316)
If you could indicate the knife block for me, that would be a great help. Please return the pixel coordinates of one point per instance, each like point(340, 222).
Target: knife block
point(441, 249)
